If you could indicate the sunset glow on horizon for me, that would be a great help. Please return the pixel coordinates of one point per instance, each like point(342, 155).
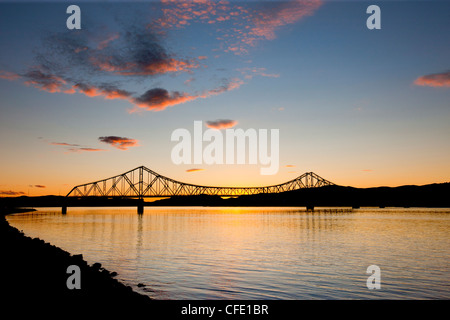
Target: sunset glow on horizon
point(358, 107)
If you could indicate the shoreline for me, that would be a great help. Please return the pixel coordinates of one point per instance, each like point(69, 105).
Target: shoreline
point(35, 274)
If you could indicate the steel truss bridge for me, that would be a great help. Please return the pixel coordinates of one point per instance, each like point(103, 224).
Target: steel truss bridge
point(142, 182)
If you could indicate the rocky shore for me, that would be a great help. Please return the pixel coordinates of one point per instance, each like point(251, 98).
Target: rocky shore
point(34, 276)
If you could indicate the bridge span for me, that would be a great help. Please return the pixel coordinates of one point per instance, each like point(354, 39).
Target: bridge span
point(141, 182)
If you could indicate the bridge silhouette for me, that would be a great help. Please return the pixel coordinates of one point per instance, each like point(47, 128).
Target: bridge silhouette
point(141, 182)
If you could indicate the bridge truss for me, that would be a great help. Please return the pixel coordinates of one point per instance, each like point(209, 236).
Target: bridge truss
point(142, 182)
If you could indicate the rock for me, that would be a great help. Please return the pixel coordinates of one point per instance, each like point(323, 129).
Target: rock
point(78, 256)
point(96, 266)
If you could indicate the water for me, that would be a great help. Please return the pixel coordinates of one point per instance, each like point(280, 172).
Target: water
point(258, 253)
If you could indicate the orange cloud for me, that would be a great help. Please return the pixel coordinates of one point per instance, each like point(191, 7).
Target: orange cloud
point(262, 24)
point(289, 166)
point(108, 93)
point(158, 99)
point(45, 81)
point(121, 143)
point(434, 80)
point(39, 186)
point(221, 124)
point(194, 170)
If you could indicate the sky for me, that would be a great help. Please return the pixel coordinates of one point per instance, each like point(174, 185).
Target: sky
point(358, 107)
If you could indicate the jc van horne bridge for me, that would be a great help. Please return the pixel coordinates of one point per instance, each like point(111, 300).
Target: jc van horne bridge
point(142, 182)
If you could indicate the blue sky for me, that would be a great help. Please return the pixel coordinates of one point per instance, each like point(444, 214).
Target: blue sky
point(359, 107)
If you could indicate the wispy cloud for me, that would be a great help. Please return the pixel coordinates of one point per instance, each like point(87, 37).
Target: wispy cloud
point(64, 144)
point(289, 166)
point(266, 22)
point(121, 143)
point(11, 193)
point(188, 81)
point(72, 147)
point(40, 186)
point(85, 149)
point(229, 85)
point(194, 170)
point(249, 72)
point(104, 43)
point(8, 75)
point(434, 80)
point(221, 124)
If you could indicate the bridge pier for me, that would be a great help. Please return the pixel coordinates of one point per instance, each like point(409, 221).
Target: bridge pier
point(64, 210)
point(140, 208)
point(310, 207)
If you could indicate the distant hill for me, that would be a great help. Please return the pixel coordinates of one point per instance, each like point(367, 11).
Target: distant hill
point(432, 195)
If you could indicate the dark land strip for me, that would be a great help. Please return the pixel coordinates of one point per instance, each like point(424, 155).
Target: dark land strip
point(34, 276)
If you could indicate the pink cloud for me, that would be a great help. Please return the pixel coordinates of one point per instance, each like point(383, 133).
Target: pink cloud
point(434, 80)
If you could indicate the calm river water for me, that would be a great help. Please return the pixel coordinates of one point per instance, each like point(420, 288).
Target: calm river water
point(258, 253)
